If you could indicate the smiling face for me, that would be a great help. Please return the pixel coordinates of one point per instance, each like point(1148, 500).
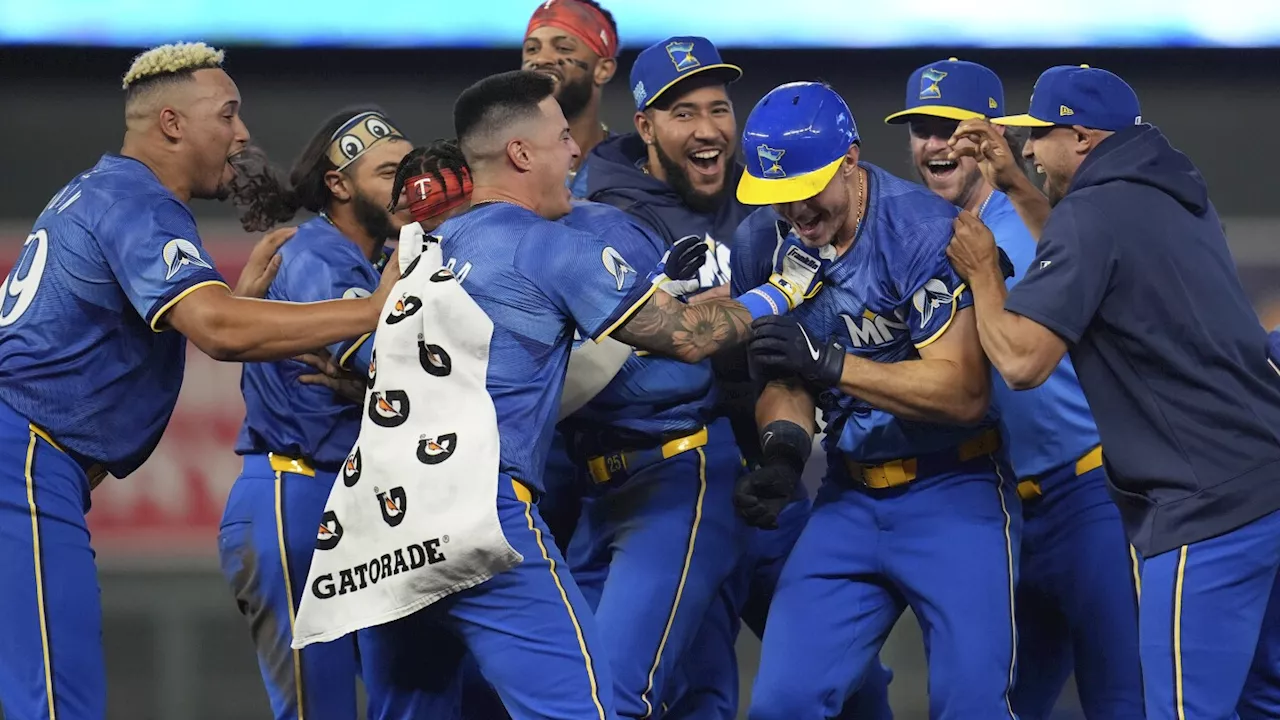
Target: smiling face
point(831, 215)
point(1055, 152)
point(212, 132)
point(955, 180)
point(564, 58)
point(692, 139)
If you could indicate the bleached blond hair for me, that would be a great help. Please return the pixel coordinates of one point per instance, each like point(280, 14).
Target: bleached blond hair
point(171, 59)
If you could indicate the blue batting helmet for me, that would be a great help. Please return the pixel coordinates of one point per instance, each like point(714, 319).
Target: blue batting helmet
point(794, 141)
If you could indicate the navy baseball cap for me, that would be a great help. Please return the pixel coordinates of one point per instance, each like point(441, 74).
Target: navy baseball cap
point(795, 139)
point(952, 89)
point(660, 66)
point(1079, 95)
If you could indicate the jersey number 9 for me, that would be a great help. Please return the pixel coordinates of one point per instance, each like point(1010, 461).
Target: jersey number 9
point(19, 289)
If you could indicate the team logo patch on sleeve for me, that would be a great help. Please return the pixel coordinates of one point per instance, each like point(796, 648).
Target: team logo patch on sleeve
point(616, 266)
point(434, 359)
point(393, 504)
point(330, 531)
point(351, 469)
point(179, 253)
point(404, 307)
point(433, 451)
point(389, 409)
point(929, 298)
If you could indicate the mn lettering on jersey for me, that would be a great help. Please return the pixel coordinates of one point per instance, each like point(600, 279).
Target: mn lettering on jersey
point(871, 331)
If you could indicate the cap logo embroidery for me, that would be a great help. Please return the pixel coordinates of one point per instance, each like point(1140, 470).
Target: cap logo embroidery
point(991, 103)
point(929, 80)
point(681, 54)
point(1064, 111)
point(769, 161)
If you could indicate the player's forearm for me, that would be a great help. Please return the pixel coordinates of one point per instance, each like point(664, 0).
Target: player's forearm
point(1003, 339)
point(686, 332)
point(928, 390)
point(786, 400)
point(236, 329)
point(1032, 205)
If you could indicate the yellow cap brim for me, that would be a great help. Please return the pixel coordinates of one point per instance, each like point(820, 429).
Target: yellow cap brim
point(768, 191)
point(942, 111)
point(734, 70)
point(1023, 120)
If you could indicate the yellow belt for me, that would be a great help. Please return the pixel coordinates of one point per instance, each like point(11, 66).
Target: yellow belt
point(95, 472)
point(1092, 460)
point(904, 470)
point(605, 467)
point(284, 463)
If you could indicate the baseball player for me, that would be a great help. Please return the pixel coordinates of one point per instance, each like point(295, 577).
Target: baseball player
point(1077, 601)
point(918, 508)
point(575, 43)
point(529, 628)
point(295, 437)
point(1133, 275)
point(94, 323)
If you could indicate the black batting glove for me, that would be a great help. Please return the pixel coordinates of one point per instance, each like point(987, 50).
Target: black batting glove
point(781, 347)
point(761, 494)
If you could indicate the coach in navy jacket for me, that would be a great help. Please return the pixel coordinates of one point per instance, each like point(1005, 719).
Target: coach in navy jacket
point(1133, 274)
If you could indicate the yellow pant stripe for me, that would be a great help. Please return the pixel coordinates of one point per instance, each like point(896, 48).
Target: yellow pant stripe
point(1177, 631)
point(39, 566)
point(1013, 622)
point(288, 589)
point(573, 617)
point(1137, 573)
point(684, 575)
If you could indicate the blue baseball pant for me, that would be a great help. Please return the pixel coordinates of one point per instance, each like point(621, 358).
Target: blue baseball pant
point(651, 552)
point(1208, 626)
point(1077, 601)
point(946, 546)
point(51, 659)
point(267, 538)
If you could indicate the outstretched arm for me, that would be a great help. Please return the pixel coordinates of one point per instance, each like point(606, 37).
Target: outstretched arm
point(686, 332)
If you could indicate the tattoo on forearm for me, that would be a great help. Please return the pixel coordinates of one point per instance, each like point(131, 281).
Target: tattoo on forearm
point(686, 332)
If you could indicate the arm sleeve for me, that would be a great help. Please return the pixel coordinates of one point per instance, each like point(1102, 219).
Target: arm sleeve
point(1066, 282)
point(755, 243)
point(599, 280)
point(936, 293)
point(314, 276)
point(153, 248)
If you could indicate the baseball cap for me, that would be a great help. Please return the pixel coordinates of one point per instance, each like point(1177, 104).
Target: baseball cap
point(660, 66)
point(795, 139)
point(1079, 95)
point(952, 89)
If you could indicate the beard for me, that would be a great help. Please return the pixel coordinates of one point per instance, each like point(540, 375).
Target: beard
point(373, 218)
point(574, 96)
point(678, 179)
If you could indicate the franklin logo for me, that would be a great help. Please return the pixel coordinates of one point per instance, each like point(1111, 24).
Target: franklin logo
point(872, 330)
point(361, 576)
point(681, 54)
point(403, 308)
point(389, 409)
point(771, 161)
point(393, 504)
point(433, 451)
point(929, 80)
point(434, 359)
point(929, 298)
point(330, 531)
point(616, 266)
point(352, 468)
point(179, 253)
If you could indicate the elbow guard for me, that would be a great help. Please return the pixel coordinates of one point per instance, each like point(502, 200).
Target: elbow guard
point(785, 443)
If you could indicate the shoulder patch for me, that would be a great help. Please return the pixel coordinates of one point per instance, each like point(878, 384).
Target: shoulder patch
point(178, 253)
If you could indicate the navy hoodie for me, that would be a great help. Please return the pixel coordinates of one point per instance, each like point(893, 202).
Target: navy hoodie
point(1133, 272)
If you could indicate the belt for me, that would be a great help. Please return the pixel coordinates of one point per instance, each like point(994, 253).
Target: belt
point(615, 466)
point(284, 463)
point(904, 470)
point(96, 472)
point(1029, 488)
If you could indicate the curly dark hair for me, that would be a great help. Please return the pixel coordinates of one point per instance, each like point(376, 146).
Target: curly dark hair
point(263, 194)
point(436, 158)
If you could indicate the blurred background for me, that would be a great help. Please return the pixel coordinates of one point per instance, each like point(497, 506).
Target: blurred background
point(1206, 74)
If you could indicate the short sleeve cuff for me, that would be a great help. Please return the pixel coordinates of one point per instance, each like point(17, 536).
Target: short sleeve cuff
point(1036, 315)
point(175, 295)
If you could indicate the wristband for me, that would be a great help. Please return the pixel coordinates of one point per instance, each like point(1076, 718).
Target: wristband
point(765, 300)
point(786, 443)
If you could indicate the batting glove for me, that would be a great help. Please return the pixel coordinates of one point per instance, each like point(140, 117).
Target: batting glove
point(677, 272)
point(761, 494)
point(781, 347)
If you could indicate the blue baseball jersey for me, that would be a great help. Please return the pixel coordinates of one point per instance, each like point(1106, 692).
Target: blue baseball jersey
point(85, 353)
point(651, 397)
point(890, 294)
point(538, 281)
point(1049, 426)
point(281, 414)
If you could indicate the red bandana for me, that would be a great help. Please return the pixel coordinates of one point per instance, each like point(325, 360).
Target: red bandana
point(585, 22)
point(429, 198)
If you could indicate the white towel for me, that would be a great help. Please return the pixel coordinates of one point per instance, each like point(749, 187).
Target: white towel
point(413, 515)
